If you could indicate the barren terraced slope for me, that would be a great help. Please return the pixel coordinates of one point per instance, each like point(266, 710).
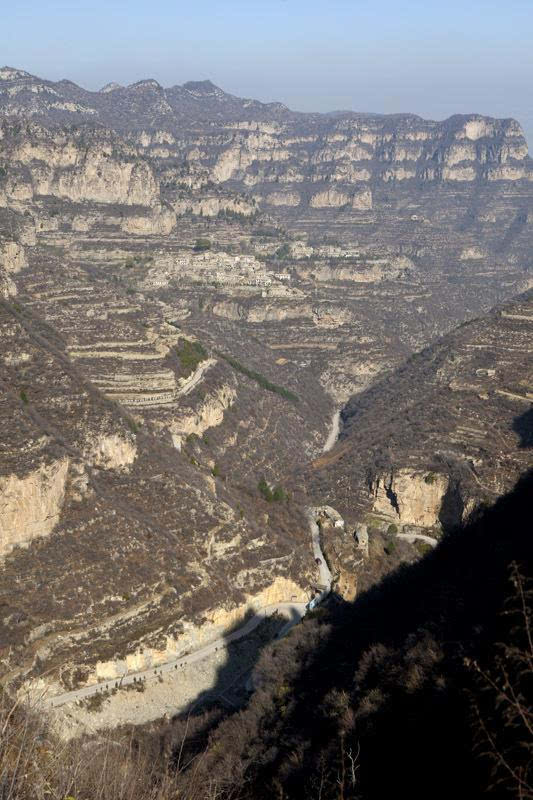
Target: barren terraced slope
point(444, 435)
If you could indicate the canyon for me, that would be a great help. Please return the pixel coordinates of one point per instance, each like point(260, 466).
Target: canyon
point(192, 285)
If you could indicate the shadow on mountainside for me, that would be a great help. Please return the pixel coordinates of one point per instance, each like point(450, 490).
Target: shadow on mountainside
point(375, 699)
point(229, 689)
point(187, 733)
point(523, 426)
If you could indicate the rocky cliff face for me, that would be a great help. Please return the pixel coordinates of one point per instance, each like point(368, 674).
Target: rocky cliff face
point(30, 506)
point(322, 162)
point(84, 166)
point(415, 498)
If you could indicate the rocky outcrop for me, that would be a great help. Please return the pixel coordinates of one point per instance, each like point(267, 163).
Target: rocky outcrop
point(410, 497)
point(333, 198)
point(12, 260)
point(12, 257)
point(103, 180)
point(66, 166)
point(30, 505)
point(283, 199)
point(213, 206)
point(7, 286)
point(329, 198)
point(113, 452)
point(209, 414)
point(158, 221)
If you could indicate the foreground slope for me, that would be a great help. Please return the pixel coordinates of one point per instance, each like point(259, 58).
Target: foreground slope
point(420, 686)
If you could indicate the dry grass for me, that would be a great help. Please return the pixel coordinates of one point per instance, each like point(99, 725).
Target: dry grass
point(35, 765)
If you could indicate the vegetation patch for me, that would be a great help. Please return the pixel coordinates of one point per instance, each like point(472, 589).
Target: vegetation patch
point(95, 702)
point(201, 245)
point(190, 354)
point(284, 251)
point(260, 379)
point(390, 547)
point(423, 548)
point(276, 495)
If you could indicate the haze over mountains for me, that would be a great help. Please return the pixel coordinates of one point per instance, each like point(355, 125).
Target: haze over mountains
point(192, 286)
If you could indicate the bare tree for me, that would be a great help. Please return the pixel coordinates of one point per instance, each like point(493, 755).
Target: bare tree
point(503, 708)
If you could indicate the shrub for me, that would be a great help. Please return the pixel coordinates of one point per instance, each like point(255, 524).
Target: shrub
point(392, 530)
point(390, 547)
point(24, 396)
point(278, 495)
point(201, 245)
point(190, 354)
point(265, 490)
point(95, 702)
point(284, 251)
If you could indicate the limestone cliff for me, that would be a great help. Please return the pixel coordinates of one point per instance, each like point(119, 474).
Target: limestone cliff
point(210, 137)
point(208, 415)
point(30, 505)
point(410, 497)
point(216, 622)
point(99, 168)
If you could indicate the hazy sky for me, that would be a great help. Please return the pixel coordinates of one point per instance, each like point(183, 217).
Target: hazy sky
point(423, 56)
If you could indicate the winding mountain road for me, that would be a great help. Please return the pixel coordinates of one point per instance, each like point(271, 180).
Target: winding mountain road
point(295, 612)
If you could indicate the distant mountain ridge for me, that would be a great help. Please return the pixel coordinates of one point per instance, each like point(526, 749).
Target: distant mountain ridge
point(14, 81)
point(291, 160)
point(37, 96)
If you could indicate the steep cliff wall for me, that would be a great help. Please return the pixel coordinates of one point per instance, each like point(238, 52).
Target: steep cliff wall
point(94, 166)
point(30, 505)
point(410, 497)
